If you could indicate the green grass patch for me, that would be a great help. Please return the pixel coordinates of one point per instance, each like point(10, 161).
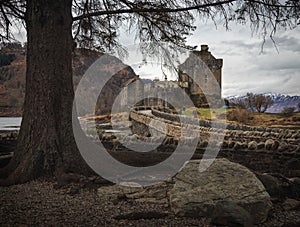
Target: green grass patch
point(207, 113)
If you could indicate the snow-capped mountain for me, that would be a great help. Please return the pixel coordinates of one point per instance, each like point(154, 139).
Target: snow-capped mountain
point(280, 101)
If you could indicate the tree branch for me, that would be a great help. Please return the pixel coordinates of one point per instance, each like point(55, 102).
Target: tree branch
point(271, 5)
point(150, 10)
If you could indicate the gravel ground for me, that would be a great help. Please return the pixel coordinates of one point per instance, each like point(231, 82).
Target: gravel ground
point(42, 203)
point(39, 203)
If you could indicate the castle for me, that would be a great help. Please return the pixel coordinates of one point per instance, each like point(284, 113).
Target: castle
point(201, 73)
point(200, 76)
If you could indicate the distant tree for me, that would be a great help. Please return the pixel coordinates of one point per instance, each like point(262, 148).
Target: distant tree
point(287, 111)
point(11, 45)
point(241, 104)
point(46, 145)
point(259, 103)
point(262, 103)
point(298, 106)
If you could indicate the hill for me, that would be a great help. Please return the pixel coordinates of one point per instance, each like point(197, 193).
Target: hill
point(13, 73)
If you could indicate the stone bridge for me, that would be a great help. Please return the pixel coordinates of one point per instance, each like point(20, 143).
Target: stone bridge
point(236, 137)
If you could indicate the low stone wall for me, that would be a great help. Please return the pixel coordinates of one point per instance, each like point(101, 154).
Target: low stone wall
point(207, 123)
point(286, 161)
point(8, 142)
point(8, 135)
point(172, 128)
point(237, 137)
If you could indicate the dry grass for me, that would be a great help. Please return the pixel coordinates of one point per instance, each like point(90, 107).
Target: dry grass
point(242, 116)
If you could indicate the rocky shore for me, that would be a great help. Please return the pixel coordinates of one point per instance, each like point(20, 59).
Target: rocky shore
point(44, 203)
point(90, 203)
point(95, 202)
point(8, 141)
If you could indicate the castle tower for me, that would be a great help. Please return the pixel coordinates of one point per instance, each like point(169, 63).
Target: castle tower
point(215, 65)
point(188, 74)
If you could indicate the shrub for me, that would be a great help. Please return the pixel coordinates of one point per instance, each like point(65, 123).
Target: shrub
point(6, 59)
point(5, 74)
point(13, 101)
point(296, 119)
point(240, 115)
point(11, 45)
point(287, 111)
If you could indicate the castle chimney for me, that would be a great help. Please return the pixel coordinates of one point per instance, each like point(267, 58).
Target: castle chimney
point(204, 47)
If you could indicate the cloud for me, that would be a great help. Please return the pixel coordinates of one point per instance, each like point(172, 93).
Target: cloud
point(286, 42)
point(261, 83)
point(276, 62)
point(249, 65)
point(246, 69)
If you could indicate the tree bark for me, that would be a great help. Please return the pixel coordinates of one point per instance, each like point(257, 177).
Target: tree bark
point(46, 145)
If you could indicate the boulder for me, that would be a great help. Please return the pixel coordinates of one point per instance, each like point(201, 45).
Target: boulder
point(273, 185)
point(283, 147)
point(279, 186)
point(266, 134)
point(260, 145)
point(291, 204)
point(238, 146)
point(230, 214)
point(132, 191)
point(196, 194)
point(231, 143)
point(252, 145)
point(271, 144)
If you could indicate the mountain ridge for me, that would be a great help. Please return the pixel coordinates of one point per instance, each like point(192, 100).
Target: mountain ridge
point(13, 75)
point(281, 101)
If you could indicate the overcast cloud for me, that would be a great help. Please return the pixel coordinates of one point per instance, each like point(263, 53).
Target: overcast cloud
point(251, 67)
point(248, 66)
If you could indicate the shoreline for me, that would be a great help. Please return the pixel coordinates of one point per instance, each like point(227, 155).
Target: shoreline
point(259, 161)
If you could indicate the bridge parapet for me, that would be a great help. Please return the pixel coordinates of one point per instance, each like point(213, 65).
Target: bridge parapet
point(236, 136)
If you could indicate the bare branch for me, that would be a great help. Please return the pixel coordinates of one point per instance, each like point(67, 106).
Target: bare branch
point(12, 13)
point(151, 10)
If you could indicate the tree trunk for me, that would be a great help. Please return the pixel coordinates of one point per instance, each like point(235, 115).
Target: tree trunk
point(46, 145)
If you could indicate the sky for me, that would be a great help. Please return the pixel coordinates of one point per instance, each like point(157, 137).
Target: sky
point(246, 66)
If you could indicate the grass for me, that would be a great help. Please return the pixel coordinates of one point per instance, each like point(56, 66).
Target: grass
point(239, 117)
point(206, 113)
point(275, 120)
point(253, 118)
